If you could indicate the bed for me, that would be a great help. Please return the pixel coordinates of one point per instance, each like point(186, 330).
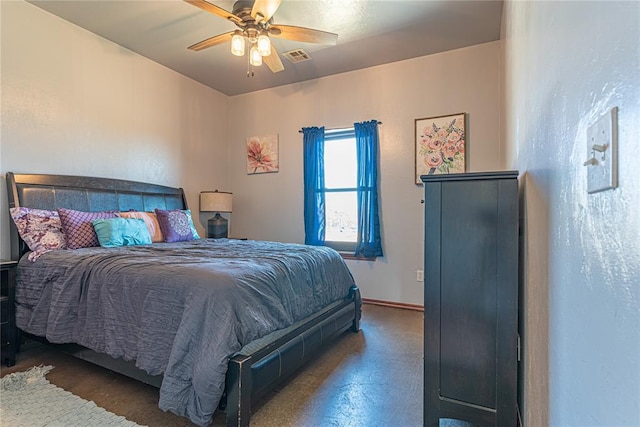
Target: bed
point(214, 323)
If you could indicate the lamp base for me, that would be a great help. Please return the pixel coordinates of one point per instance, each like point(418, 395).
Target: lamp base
point(217, 227)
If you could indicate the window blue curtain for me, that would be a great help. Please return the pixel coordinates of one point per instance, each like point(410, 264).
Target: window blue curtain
point(369, 243)
point(314, 205)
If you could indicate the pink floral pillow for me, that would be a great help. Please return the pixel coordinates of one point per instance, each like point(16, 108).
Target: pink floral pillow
point(41, 230)
point(151, 220)
point(78, 227)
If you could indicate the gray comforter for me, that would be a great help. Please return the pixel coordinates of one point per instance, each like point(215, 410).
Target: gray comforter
point(178, 309)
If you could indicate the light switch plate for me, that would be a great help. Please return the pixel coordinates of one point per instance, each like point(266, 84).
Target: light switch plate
point(602, 152)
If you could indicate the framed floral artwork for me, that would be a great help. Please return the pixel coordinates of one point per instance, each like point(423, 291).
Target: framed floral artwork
point(440, 145)
point(262, 154)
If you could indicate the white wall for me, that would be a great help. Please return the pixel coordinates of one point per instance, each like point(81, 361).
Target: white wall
point(74, 103)
point(565, 64)
point(270, 206)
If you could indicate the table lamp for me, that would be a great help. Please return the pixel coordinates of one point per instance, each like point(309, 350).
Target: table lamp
point(216, 201)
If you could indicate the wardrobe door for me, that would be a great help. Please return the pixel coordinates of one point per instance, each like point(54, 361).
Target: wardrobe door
point(471, 232)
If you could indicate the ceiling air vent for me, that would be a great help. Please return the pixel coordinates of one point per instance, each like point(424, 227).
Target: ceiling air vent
point(297, 55)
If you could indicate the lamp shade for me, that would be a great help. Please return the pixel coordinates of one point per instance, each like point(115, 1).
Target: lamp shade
point(264, 44)
point(255, 58)
point(216, 201)
point(237, 43)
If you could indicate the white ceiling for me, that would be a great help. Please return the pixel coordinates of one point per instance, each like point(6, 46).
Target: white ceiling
point(369, 33)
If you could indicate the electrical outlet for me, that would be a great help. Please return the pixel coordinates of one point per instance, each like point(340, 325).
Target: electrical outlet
point(419, 276)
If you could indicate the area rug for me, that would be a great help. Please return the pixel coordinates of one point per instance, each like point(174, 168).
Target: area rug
point(28, 399)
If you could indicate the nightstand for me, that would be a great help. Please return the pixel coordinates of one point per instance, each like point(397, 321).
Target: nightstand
point(7, 311)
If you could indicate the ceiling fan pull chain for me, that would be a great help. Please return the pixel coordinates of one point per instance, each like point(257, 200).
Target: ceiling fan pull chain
point(249, 66)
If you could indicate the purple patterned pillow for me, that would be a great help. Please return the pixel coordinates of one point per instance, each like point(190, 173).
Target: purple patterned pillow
point(175, 225)
point(78, 228)
point(41, 230)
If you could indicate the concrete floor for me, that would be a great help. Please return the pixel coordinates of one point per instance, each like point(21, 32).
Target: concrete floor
point(373, 378)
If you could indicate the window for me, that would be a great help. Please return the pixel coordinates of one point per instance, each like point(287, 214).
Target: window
point(341, 188)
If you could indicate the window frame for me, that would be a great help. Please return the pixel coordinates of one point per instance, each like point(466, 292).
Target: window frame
point(333, 135)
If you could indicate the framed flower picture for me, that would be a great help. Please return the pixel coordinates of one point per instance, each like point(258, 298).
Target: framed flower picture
point(262, 154)
point(440, 145)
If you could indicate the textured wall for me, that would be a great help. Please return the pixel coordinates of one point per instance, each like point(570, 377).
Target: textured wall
point(565, 64)
point(74, 103)
point(269, 206)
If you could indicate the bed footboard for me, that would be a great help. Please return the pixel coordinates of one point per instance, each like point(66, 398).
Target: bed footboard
point(250, 377)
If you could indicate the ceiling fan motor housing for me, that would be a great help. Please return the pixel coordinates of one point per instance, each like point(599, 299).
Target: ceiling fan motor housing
point(242, 9)
point(250, 26)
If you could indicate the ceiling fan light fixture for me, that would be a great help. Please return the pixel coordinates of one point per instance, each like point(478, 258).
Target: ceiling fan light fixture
point(254, 20)
point(264, 44)
point(255, 58)
point(237, 43)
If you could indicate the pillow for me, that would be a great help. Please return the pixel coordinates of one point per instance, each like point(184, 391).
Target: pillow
point(114, 232)
point(78, 228)
point(176, 225)
point(41, 230)
point(151, 220)
point(196, 236)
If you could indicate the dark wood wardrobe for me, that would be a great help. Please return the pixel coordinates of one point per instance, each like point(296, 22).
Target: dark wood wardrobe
point(471, 298)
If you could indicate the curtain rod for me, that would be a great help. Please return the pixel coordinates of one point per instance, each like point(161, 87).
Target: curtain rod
point(300, 131)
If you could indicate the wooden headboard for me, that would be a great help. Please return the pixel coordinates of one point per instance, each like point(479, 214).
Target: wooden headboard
point(87, 194)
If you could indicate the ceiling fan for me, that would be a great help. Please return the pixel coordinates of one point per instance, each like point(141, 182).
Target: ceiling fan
point(255, 22)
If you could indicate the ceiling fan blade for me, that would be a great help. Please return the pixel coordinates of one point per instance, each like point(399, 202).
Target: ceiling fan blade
point(266, 8)
point(302, 34)
point(273, 61)
point(212, 41)
point(211, 8)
